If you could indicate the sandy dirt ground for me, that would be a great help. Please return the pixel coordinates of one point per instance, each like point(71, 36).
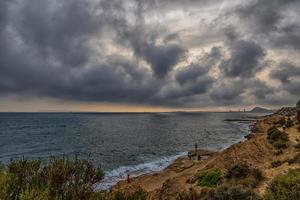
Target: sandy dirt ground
point(255, 151)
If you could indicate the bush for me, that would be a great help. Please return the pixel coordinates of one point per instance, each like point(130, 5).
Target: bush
point(275, 135)
point(245, 175)
point(209, 178)
point(289, 123)
point(238, 171)
point(231, 193)
point(297, 146)
point(280, 144)
point(60, 179)
point(278, 138)
point(295, 159)
point(285, 187)
point(281, 121)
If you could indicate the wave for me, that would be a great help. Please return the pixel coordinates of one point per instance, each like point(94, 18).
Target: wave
point(113, 177)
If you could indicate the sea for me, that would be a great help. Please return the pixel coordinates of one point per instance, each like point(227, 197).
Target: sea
point(120, 143)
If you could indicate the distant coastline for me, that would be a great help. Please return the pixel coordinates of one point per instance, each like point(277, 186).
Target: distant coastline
point(255, 151)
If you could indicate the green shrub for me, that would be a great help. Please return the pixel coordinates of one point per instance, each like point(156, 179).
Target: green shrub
point(275, 135)
point(231, 193)
point(238, 171)
point(245, 175)
point(280, 144)
point(295, 159)
point(297, 146)
point(60, 179)
point(209, 178)
point(285, 187)
point(289, 123)
point(271, 129)
point(281, 121)
point(278, 138)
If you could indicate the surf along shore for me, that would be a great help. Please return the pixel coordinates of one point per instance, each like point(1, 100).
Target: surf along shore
point(257, 151)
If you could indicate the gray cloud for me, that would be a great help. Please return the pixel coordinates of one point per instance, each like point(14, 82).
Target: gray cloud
point(133, 52)
point(244, 61)
point(260, 89)
point(58, 29)
point(289, 75)
point(3, 12)
point(162, 58)
point(272, 21)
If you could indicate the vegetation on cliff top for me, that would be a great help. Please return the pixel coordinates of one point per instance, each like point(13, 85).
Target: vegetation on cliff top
point(285, 187)
point(60, 179)
point(209, 178)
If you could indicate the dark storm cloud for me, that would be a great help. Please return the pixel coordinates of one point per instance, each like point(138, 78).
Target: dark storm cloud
point(190, 73)
point(244, 61)
point(227, 92)
point(289, 75)
point(47, 39)
point(3, 12)
point(125, 82)
point(260, 89)
point(273, 21)
point(162, 58)
point(58, 29)
point(117, 51)
point(192, 80)
point(263, 15)
point(286, 72)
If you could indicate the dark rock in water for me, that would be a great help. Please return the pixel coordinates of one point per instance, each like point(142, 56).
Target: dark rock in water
point(260, 110)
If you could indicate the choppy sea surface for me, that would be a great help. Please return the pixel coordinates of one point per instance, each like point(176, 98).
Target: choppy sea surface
point(121, 143)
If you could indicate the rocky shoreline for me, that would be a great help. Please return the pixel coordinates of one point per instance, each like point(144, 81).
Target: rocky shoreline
point(256, 151)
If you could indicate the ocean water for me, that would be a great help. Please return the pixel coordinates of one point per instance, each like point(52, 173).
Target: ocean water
point(119, 143)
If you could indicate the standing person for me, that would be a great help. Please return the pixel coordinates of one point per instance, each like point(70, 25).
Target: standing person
point(128, 178)
point(196, 150)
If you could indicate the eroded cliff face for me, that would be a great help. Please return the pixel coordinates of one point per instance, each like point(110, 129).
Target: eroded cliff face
point(257, 152)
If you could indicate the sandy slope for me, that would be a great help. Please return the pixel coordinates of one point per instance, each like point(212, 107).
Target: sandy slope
point(256, 151)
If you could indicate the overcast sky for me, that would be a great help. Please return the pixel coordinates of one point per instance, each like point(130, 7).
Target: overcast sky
point(135, 55)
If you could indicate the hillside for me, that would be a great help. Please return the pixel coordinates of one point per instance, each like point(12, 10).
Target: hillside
point(260, 110)
point(258, 153)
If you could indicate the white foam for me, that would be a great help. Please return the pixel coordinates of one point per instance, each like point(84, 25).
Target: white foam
point(113, 177)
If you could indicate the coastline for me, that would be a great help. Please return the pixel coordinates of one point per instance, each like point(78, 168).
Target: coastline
point(254, 151)
point(118, 176)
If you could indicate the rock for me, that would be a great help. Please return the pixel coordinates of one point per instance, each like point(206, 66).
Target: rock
point(249, 136)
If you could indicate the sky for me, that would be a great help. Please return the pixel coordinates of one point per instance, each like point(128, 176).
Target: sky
point(148, 55)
